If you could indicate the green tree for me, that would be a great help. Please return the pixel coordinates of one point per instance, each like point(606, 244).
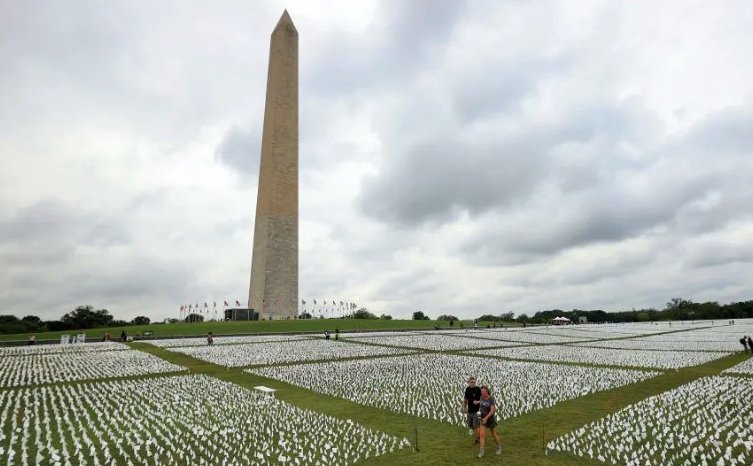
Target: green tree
point(8, 319)
point(419, 315)
point(363, 313)
point(87, 317)
point(447, 317)
point(487, 318)
point(141, 320)
point(385, 317)
point(194, 318)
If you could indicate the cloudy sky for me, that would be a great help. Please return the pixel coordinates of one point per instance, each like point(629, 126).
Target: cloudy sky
point(456, 157)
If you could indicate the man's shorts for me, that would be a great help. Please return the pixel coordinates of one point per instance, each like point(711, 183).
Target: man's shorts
point(473, 420)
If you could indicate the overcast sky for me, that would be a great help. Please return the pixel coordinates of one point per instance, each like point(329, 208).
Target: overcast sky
point(456, 157)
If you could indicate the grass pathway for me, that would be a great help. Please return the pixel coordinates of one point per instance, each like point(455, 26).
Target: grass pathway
point(441, 443)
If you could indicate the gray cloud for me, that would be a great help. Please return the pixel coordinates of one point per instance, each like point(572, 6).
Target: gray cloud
point(397, 43)
point(53, 223)
point(432, 182)
point(468, 157)
point(241, 151)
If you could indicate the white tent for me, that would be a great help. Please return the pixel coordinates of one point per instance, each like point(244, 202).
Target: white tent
point(560, 320)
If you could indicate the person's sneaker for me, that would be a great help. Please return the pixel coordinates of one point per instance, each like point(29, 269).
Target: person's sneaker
point(499, 449)
point(480, 453)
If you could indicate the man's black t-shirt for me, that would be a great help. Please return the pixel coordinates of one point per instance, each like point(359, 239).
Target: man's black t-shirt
point(471, 394)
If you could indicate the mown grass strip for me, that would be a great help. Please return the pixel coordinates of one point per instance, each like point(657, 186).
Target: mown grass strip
point(200, 329)
point(523, 437)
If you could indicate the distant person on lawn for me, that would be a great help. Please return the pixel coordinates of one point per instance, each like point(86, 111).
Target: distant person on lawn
point(750, 344)
point(210, 339)
point(471, 400)
point(488, 408)
point(744, 342)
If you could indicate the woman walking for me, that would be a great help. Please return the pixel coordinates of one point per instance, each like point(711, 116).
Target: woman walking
point(488, 411)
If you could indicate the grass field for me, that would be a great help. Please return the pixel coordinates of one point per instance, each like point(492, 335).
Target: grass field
point(248, 327)
point(523, 437)
point(432, 442)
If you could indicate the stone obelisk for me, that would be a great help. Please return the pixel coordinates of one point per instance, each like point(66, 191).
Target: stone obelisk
point(274, 265)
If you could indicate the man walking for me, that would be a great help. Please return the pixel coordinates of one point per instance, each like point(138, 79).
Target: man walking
point(471, 404)
point(744, 342)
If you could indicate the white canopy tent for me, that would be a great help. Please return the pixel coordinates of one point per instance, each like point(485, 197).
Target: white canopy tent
point(560, 321)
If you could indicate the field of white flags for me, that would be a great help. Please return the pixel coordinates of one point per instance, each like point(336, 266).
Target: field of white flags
point(282, 352)
point(430, 385)
point(223, 340)
point(607, 356)
point(646, 344)
point(59, 348)
point(191, 419)
point(745, 367)
point(706, 422)
point(521, 337)
point(78, 362)
point(437, 342)
point(372, 335)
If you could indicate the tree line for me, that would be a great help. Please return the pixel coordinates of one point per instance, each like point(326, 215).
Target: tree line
point(676, 309)
point(80, 318)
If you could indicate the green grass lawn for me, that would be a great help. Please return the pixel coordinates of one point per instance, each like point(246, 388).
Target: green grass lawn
point(523, 437)
point(438, 443)
point(231, 328)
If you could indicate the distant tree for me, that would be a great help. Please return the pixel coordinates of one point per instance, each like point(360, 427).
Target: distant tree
point(29, 324)
point(172, 320)
point(447, 317)
point(11, 324)
point(305, 315)
point(487, 318)
point(141, 320)
point(522, 318)
point(87, 317)
point(194, 318)
point(385, 317)
point(118, 323)
point(363, 313)
point(507, 316)
point(58, 325)
point(419, 315)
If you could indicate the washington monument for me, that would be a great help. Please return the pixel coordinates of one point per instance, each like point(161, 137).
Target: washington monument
point(274, 265)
